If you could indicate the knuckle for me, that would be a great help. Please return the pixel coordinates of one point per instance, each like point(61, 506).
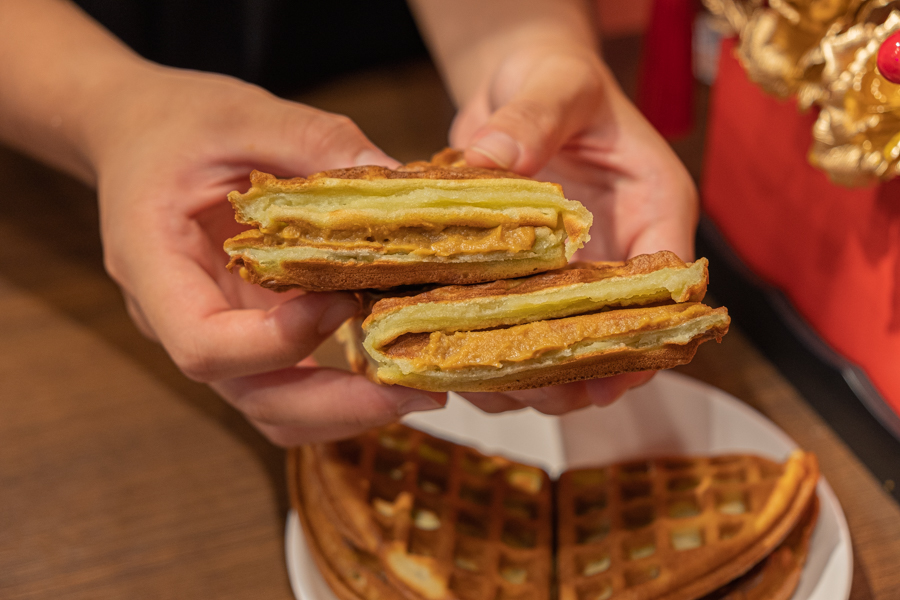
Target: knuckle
point(139, 319)
point(540, 118)
point(499, 408)
point(111, 265)
point(193, 363)
point(564, 399)
point(255, 403)
point(553, 408)
point(283, 437)
point(261, 413)
point(493, 402)
point(327, 133)
point(115, 264)
point(331, 129)
point(376, 410)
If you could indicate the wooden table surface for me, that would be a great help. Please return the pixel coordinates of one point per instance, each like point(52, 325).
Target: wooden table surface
point(119, 478)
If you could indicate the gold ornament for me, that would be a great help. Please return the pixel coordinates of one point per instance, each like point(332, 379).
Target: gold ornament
point(823, 52)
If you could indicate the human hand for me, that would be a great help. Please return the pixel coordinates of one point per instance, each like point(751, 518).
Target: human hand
point(557, 114)
point(167, 148)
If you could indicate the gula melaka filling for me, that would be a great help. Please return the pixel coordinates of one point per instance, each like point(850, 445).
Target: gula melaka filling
point(420, 241)
point(520, 343)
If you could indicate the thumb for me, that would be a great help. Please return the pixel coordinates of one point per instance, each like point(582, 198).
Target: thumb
point(541, 106)
point(312, 140)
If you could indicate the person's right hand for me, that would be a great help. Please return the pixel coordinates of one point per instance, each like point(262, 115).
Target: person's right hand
point(557, 113)
point(167, 147)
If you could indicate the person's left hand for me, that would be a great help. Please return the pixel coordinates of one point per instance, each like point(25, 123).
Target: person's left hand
point(163, 176)
point(558, 115)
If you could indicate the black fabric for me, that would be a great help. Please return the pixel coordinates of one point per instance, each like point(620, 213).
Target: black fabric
point(283, 45)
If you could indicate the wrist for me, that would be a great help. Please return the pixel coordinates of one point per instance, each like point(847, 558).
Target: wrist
point(471, 38)
point(58, 66)
point(115, 106)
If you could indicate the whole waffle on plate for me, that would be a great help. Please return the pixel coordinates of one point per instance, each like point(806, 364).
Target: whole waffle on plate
point(396, 513)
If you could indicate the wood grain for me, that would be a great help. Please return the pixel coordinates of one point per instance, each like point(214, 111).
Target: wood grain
point(113, 486)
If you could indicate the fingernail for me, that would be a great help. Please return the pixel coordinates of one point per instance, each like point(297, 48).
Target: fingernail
point(373, 157)
point(498, 147)
point(419, 402)
point(335, 315)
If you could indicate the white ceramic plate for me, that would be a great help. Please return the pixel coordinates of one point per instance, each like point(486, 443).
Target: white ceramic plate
point(672, 414)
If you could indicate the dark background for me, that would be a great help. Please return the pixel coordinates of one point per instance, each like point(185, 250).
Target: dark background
point(286, 46)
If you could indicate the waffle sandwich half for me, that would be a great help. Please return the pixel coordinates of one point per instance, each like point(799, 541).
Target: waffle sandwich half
point(586, 321)
point(423, 223)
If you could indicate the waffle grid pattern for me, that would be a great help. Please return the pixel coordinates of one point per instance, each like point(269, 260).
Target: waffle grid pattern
point(626, 525)
point(489, 518)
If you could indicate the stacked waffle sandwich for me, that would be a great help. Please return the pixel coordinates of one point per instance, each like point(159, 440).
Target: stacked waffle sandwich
point(396, 513)
point(427, 222)
point(511, 313)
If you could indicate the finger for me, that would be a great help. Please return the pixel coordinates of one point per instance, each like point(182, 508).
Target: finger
point(209, 340)
point(137, 315)
point(603, 392)
point(309, 140)
point(492, 402)
point(301, 405)
point(668, 201)
point(565, 398)
point(678, 237)
point(553, 100)
point(469, 120)
point(555, 399)
point(656, 190)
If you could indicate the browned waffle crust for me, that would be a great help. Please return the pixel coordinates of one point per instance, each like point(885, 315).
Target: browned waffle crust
point(494, 515)
point(673, 528)
point(325, 275)
point(777, 575)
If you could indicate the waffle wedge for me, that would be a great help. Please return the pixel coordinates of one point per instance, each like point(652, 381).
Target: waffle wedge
point(777, 575)
point(423, 223)
point(396, 513)
point(585, 321)
point(676, 528)
point(427, 518)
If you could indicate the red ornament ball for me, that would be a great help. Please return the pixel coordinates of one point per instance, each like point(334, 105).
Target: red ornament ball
point(888, 60)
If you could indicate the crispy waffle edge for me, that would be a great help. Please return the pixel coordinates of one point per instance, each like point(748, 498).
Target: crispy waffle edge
point(764, 546)
point(333, 276)
point(572, 274)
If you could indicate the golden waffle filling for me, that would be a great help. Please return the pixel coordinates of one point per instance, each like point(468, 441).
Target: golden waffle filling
point(419, 241)
point(423, 212)
point(633, 328)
